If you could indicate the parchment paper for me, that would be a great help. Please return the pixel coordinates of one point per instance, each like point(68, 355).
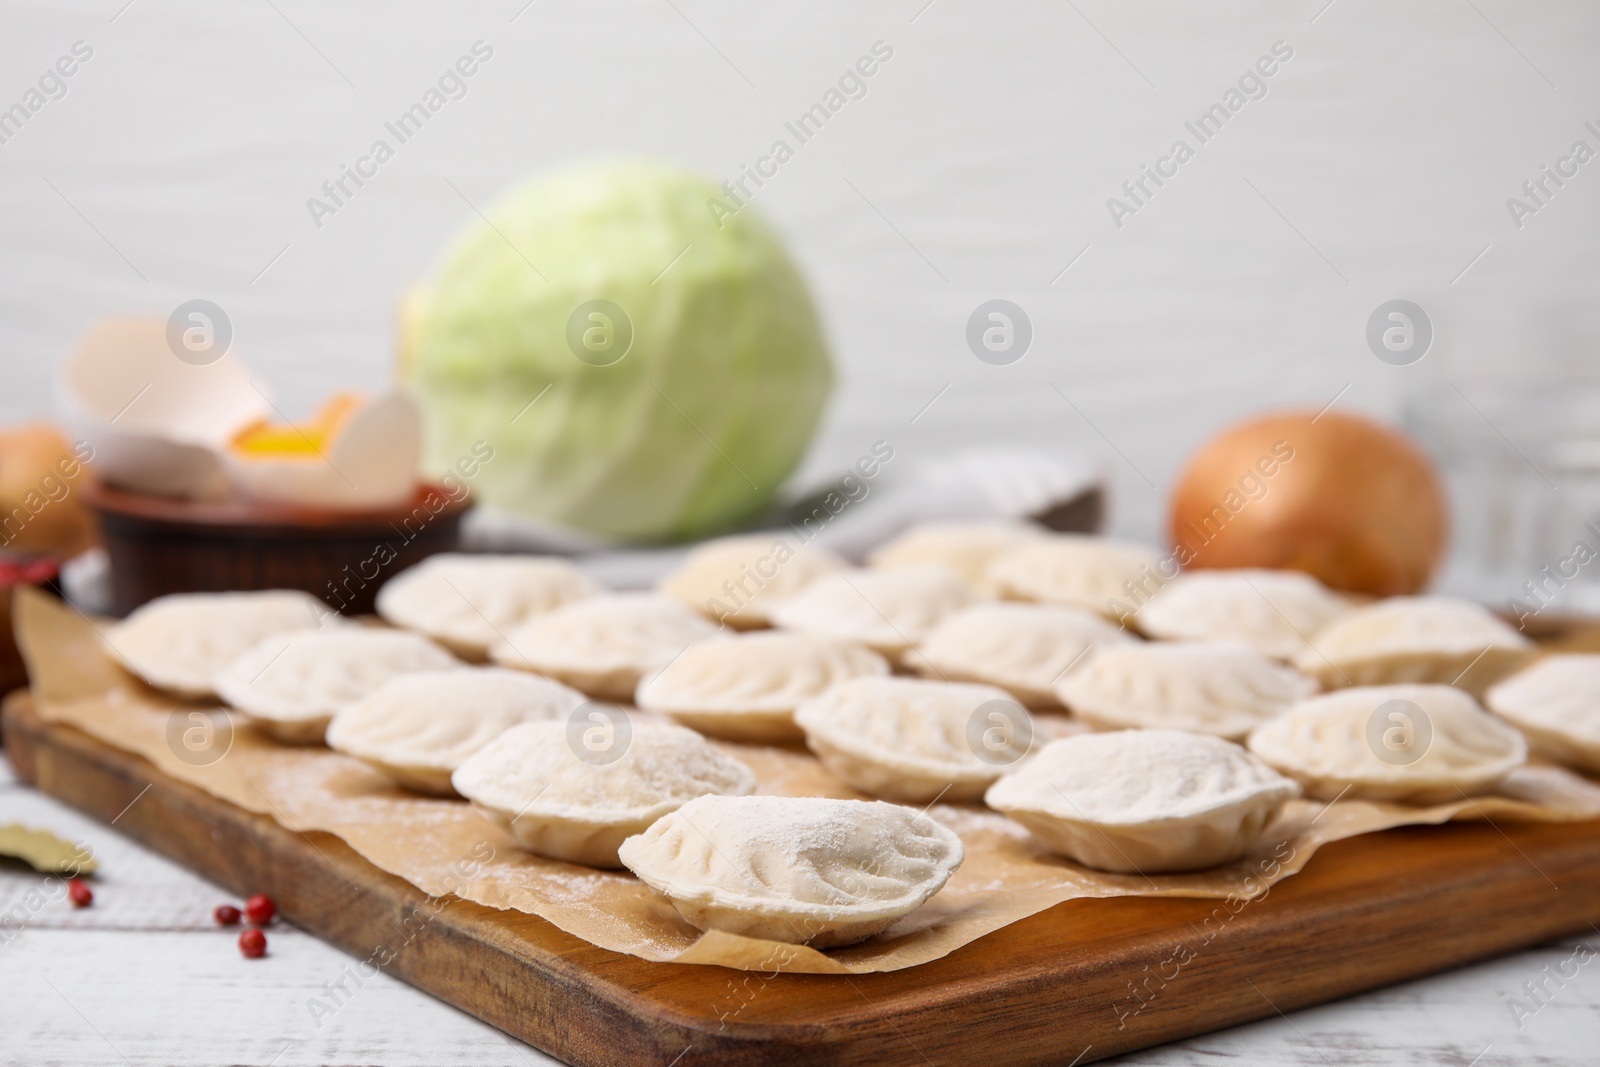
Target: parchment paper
point(445, 846)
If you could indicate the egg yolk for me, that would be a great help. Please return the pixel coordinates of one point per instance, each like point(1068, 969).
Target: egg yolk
point(266, 440)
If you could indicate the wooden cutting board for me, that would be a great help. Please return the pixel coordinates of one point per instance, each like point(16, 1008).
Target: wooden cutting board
point(1085, 980)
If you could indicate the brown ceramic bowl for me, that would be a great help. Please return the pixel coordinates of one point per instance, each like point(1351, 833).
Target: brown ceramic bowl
point(159, 545)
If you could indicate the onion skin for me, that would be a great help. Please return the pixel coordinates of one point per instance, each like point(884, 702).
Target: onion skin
point(1355, 504)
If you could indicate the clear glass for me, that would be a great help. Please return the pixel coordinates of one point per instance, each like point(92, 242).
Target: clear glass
point(1519, 447)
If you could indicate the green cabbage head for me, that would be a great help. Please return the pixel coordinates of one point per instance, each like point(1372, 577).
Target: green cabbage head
point(693, 428)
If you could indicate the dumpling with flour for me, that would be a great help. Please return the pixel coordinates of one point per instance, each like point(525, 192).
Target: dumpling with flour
point(469, 602)
point(559, 799)
point(290, 685)
point(605, 644)
point(418, 728)
point(1556, 703)
point(1081, 571)
point(803, 870)
point(1274, 612)
point(1025, 649)
point(1421, 744)
point(1144, 801)
point(746, 688)
point(967, 548)
point(735, 580)
point(181, 642)
point(1211, 687)
point(889, 611)
point(916, 741)
point(1416, 639)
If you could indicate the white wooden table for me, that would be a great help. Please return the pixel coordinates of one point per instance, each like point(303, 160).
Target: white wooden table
point(145, 976)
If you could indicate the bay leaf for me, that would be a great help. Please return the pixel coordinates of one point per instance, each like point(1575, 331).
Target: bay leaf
point(44, 851)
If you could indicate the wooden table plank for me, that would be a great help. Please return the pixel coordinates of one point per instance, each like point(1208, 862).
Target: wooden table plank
point(97, 997)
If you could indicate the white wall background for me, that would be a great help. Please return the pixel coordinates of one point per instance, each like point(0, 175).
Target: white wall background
point(179, 163)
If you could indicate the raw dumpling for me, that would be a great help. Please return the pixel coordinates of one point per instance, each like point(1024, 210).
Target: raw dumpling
point(1416, 639)
point(291, 685)
point(182, 641)
point(1274, 612)
point(735, 579)
point(605, 644)
point(804, 870)
point(1211, 687)
point(1144, 801)
point(1556, 703)
point(1424, 744)
point(469, 603)
point(911, 740)
point(1023, 648)
point(1095, 573)
point(418, 728)
point(746, 688)
point(889, 611)
point(533, 782)
point(967, 548)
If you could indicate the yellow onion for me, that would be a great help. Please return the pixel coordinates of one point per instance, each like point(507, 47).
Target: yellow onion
point(41, 510)
point(1342, 498)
